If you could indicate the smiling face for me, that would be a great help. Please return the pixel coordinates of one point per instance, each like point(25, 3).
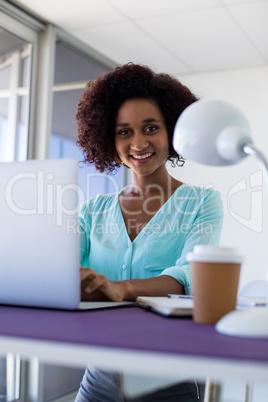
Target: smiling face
point(141, 137)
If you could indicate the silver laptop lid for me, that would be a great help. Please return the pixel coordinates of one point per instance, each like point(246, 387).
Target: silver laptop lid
point(39, 234)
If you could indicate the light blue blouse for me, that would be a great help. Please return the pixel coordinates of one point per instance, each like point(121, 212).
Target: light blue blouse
point(192, 215)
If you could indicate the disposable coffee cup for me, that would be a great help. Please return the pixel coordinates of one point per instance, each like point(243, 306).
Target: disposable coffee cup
point(215, 276)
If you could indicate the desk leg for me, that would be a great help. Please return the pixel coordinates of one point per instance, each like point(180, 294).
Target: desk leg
point(10, 377)
point(213, 392)
point(32, 381)
point(249, 392)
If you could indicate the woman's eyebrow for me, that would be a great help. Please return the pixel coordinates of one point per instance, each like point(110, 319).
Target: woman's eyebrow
point(150, 120)
point(122, 125)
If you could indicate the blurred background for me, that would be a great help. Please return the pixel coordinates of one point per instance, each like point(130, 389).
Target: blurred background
point(218, 48)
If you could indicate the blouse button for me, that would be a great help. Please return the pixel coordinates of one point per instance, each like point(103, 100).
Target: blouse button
point(124, 266)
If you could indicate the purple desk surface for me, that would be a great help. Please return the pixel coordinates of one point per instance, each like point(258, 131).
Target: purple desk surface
point(130, 328)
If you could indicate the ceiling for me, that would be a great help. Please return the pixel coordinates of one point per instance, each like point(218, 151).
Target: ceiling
point(174, 36)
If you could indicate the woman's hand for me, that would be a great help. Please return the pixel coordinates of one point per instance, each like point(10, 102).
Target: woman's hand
point(97, 287)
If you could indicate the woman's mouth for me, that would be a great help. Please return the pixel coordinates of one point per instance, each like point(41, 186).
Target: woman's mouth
point(142, 157)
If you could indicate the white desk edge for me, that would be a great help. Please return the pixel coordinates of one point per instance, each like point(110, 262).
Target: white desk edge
point(135, 362)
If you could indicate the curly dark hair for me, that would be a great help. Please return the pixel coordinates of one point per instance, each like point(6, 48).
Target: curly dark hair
point(101, 99)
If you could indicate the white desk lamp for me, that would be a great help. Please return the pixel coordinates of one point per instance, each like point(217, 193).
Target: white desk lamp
point(216, 133)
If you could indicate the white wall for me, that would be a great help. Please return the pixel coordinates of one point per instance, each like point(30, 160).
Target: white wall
point(246, 216)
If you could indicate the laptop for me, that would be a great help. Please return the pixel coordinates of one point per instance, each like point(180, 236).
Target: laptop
point(39, 235)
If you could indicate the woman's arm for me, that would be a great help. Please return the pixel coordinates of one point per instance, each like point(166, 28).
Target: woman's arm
point(205, 229)
point(98, 287)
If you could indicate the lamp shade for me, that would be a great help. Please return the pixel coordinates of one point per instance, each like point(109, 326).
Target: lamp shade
point(212, 132)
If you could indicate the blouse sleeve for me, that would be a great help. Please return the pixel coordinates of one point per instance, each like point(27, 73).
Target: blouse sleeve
point(205, 229)
point(84, 219)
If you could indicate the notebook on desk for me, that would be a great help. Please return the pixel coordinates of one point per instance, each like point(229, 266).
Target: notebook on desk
point(179, 306)
point(39, 235)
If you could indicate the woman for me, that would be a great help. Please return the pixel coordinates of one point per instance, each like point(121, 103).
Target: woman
point(135, 242)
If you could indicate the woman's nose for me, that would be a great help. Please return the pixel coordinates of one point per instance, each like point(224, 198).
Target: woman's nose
point(139, 141)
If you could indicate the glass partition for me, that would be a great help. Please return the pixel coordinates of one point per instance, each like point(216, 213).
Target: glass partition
point(72, 70)
point(15, 70)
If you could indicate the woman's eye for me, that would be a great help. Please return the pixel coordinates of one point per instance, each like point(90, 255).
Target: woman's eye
point(151, 129)
point(123, 132)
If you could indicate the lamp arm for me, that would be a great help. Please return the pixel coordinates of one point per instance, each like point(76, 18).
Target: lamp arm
point(250, 149)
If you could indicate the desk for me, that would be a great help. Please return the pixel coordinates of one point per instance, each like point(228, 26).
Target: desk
point(132, 340)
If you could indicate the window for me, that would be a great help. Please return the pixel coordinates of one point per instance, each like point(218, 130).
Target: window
point(15, 71)
point(73, 69)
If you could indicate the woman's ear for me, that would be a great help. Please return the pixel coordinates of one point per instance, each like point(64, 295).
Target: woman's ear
point(118, 159)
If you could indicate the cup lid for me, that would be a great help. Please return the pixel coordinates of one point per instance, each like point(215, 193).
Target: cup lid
point(214, 254)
